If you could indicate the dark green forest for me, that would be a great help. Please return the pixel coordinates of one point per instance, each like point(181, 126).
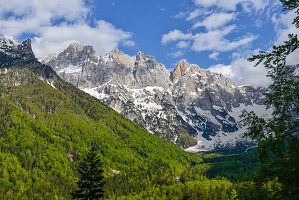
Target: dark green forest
point(47, 126)
point(45, 132)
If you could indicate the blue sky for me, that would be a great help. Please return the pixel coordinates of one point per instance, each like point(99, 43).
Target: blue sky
point(215, 34)
point(150, 20)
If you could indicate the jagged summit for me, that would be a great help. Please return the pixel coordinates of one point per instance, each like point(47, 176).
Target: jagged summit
point(13, 53)
point(188, 106)
point(7, 40)
point(74, 47)
point(117, 51)
point(10, 47)
point(181, 68)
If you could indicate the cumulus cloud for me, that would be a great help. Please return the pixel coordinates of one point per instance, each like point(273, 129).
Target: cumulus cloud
point(284, 26)
point(225, 70)
point(57, 23)
point(219, 18)
point(215, 20)
point(174, 36)
point(196, 13)
point(243, 72)
point(183, 44)
point(232, 4)
point(215, 40)
point(104, 37)
point(176, 54)
point(214, 55)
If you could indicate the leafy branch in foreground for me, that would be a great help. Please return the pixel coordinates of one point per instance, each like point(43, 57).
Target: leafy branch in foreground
point(278, 136)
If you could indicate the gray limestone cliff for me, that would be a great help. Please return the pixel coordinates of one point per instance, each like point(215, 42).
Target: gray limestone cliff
point(189, 106)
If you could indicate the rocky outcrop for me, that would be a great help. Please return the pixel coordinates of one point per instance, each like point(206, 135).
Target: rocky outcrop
point(189, 106)
point(13, 53)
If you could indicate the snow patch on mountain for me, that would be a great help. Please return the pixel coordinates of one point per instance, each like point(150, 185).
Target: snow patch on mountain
point(71, 69)
point(190, 106)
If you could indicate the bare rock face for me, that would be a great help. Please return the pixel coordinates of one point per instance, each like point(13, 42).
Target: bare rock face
point(189, 106)
point(13, 53)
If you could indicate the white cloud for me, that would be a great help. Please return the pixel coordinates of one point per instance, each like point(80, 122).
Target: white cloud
point(225, 70)
point(293, 58)
point(56, 23)
point(205, 3)
point(128, 43)
point(214, 55)
point(215, 20)
point(232, 4)
point(243, 72)
point(217, 17)
point(174, 36)
point(284, 26)
point(181, 15)
point(196, 13)
point(176, 54)
point(104, 37)
point(215, 40)
point(183, 44)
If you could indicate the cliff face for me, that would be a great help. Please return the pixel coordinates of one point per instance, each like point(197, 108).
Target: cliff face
point(189, 106)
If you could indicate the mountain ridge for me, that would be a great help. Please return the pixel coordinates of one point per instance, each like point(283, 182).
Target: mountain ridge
point(188, 105)
point(47, 125)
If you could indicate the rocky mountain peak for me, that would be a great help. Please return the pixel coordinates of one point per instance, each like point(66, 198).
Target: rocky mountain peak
point(145, 60)
point(16, 52)
point(185, 106)
point(75, 54)
point(78, 50)
point(25, 50)
point(116, 52)
point(181, 68)
point(75, 47)
point(7, 41)
point(13, 53)
point(120, 58)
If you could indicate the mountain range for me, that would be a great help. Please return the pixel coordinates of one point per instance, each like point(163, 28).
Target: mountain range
point(47, 125)
point(189, 106)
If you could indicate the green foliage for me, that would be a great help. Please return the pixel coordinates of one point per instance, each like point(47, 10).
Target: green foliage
point(195, 173)
point(278, 137)
point(292, 5)
point(234, 167)
point(45, 131)
point(270, 190)
point(91, 180)
point(193, 190)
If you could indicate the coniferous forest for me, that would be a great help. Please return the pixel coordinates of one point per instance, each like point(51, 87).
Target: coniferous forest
point(57, 142)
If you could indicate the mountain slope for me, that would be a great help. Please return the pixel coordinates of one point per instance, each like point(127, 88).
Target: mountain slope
point(46, 126)
point(187, 106)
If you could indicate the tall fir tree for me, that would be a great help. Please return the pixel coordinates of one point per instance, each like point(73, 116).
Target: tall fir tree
point(91, 181)
point(278, 137)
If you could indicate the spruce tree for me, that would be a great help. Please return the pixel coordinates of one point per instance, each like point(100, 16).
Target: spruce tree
point(91, 181)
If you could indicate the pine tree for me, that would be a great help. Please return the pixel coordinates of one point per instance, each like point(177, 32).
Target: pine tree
point(91, 181)
point(278, 137)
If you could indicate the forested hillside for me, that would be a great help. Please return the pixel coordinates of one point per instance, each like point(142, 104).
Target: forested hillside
point(48, 125)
